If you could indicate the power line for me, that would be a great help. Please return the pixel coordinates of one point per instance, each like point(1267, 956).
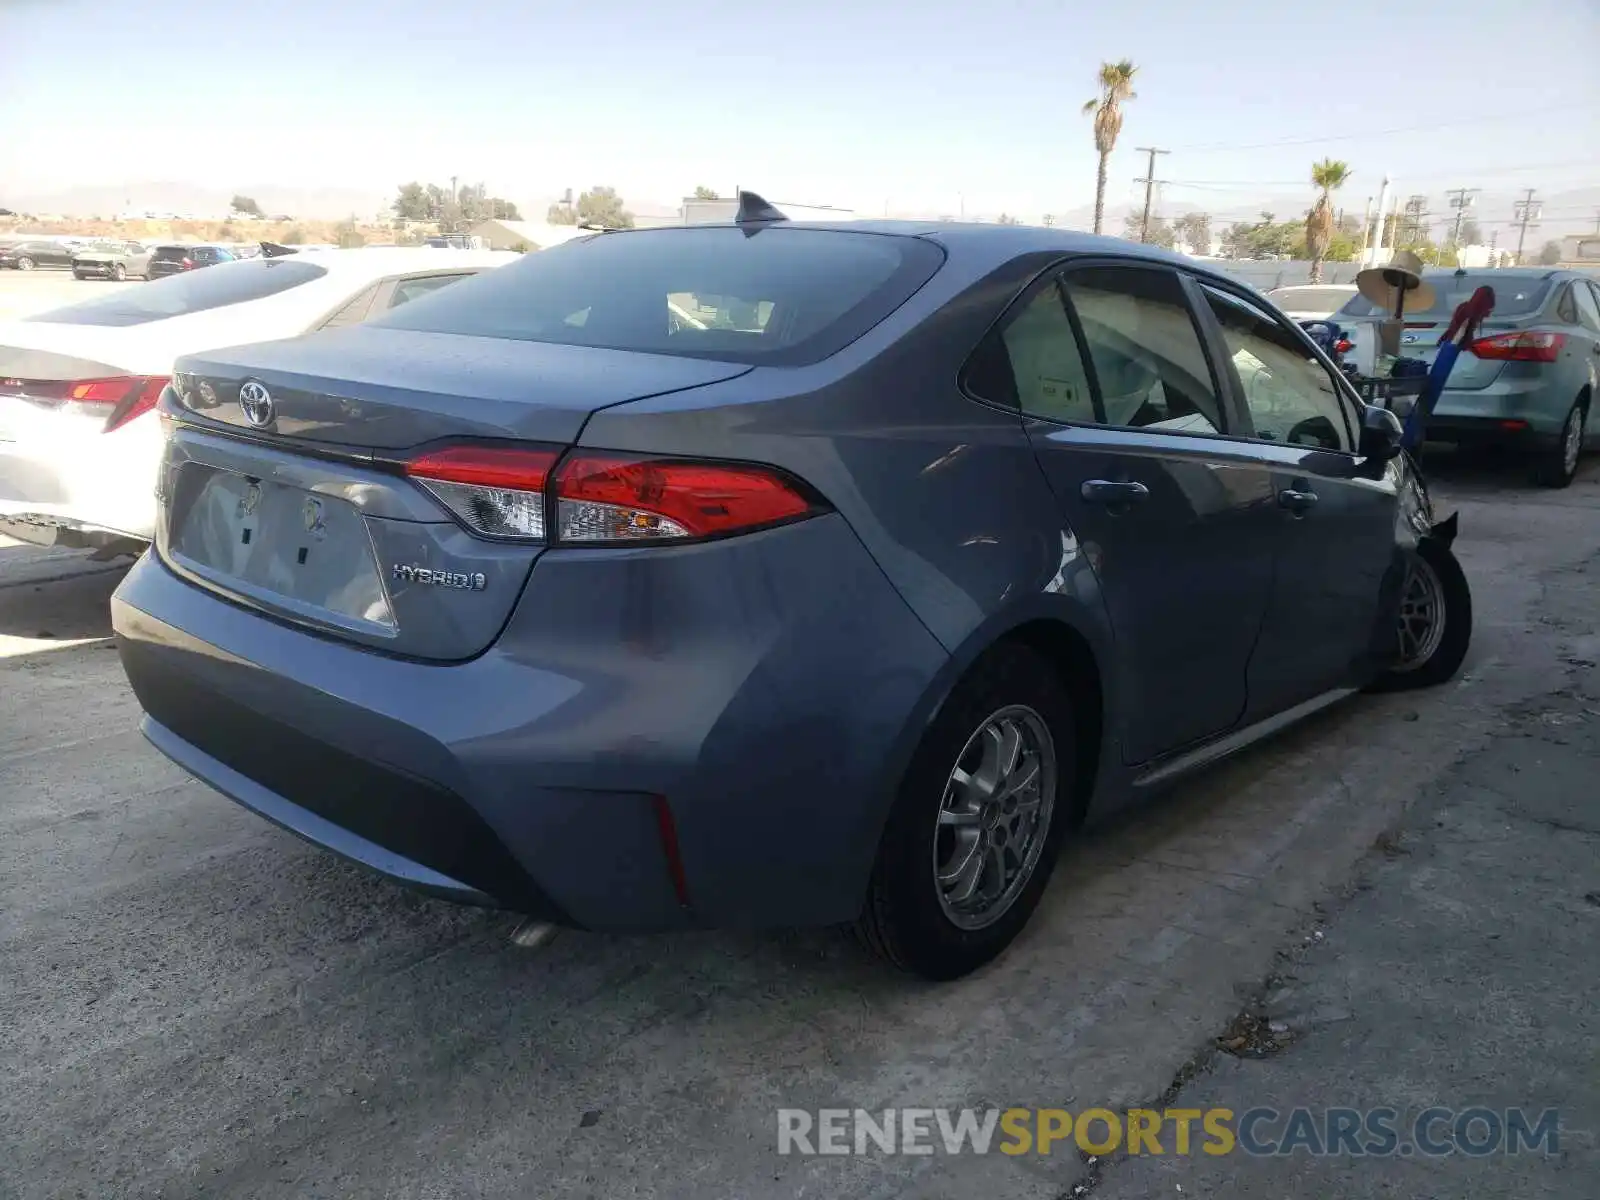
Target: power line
point(1149, 182)
point(1374, 133)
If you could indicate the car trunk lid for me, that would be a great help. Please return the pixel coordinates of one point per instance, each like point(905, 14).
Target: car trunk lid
point(305, 513)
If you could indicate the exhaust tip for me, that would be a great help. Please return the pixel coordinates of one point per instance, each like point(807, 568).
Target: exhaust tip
point(532, 935)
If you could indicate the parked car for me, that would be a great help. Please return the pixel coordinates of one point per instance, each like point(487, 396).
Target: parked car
point(847, 607)
point(111, 260)
point(36, 252)
point(169, 260)
point(1530, 379)
point(79, 441)
point(1312, 301)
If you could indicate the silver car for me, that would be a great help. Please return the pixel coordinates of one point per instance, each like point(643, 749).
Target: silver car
point(111, 260)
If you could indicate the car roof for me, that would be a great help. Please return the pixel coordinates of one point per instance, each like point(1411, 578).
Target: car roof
point(973, 243)
point(1496, 272)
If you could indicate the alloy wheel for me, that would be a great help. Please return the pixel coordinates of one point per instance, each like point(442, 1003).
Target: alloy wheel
point(994, 817)
point(1422, 616)
point(1572, 440)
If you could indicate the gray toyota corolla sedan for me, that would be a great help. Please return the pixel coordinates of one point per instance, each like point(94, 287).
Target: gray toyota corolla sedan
point(771, 574)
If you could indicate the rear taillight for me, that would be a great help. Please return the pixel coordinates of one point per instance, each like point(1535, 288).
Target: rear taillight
point(1530, 345)
point(604, 499)
point(121, 398)
point(139, 399)
point(187, 264)
point(494, 491)
point(1344, 345)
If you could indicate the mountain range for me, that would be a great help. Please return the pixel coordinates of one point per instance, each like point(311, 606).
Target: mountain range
point(1566, 212)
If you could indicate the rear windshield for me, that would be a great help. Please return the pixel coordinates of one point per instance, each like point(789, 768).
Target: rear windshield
point(189, 292)
point(1514, 295)
point(779, 296)
point(174, 253)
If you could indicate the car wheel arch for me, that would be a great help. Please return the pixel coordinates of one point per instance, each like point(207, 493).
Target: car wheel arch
point(1068, 641)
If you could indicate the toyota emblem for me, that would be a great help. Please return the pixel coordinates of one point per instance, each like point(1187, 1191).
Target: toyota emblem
point(256, 404)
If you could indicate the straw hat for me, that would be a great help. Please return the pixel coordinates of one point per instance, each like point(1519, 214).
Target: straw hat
point(1383, 285)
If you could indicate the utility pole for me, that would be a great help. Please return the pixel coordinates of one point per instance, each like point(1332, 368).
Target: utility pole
point(1374, 239)
point(1149, 182)
point(1597, 220)
point(1526, 217)
point(1416, 225)
point(1460, 200)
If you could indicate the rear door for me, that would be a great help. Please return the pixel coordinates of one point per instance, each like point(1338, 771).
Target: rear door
point(1121, 404)
point(1337, 549)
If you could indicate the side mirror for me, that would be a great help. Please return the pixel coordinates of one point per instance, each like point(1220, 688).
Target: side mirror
point(1381, 434)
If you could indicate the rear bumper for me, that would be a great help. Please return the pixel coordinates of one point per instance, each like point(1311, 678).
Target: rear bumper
point(64, 482)
point(763, 691)
point(1513, 411)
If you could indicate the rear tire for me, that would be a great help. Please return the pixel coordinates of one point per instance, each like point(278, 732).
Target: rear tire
point(1557, 466)
point(965, 798)
point(1433, 652)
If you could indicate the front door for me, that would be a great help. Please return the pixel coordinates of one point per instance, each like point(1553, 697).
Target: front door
point(1338, 568)
point(1120, 403)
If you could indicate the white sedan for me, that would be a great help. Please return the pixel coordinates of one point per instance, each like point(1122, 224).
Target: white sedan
point(1312, 301)
point(79, 443)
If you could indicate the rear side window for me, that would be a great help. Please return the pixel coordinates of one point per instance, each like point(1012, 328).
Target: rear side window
point(189, 292)
point(1588, 312)
point(354, 311)
point(1138, 363)
point(407, 290)
point(777, 296)
point(1145, 350)
point(1567, 305)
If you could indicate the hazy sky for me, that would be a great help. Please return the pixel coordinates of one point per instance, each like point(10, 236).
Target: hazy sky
point(915, 106)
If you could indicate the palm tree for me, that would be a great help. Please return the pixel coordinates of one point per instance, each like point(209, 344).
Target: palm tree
point(1116, 85)
point(1329, 175)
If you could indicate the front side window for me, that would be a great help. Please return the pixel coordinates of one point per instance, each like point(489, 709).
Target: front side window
point(1145, 352)
point(1290, 395)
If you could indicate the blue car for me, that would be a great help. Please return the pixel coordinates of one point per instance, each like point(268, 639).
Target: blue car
point(765, 574)
point(1529, 379)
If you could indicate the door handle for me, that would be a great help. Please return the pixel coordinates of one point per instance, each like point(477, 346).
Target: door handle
point(1296, 500)
point(1113, 491)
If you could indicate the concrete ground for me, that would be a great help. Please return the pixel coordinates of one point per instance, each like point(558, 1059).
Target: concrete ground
point(23, 293)
point(193, 1003)
point(1459, 973)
